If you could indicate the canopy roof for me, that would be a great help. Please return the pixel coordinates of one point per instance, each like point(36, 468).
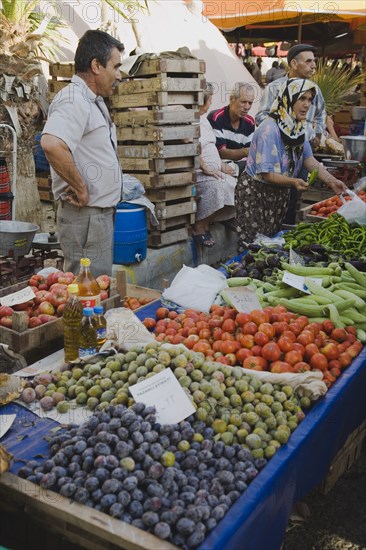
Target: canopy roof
point(231, 14)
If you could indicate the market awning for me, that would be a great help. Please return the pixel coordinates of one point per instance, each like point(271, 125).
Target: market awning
point(231, 14)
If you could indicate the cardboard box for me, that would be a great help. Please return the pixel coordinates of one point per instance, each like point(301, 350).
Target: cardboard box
point(343, 116)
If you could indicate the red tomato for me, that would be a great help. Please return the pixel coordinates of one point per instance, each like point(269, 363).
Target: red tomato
point(267, 329)
point(354, 349)
point(247, 340)
point(242, 318)
point(229, 313)
point(328, 326)
point(314, 328)
point(302, 321)
point(249, 328)
point(258, 316)
point(280, 327)
point(351, 330)
point(301, 366)
point(330, 351)
point(255, 363)
point(310, 350)
point(285, 344)
point(289, 334)
point(271, 351)
point(306, 337)
point(299, 347)
point(296, 328)
point(227, 336)
point(319, 361)
point(228, 325)
point(242, 354)
point(280, 366)
point(261, 338)
point(215, 321)
point(339, 334)
point(217, 333)
point(201, 346)
point(228, 346)
point(216, 345)
point(293, 357)
point(256, 350)
point(162, 312)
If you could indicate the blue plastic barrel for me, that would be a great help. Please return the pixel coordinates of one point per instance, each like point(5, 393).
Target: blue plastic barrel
point(130, 234)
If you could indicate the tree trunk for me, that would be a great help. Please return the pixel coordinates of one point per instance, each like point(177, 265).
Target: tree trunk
point(27, 202)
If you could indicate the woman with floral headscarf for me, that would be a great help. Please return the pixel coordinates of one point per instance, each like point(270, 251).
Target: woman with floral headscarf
point(277, 153)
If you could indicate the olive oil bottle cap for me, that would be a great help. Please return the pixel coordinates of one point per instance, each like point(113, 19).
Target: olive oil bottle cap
point(73, 288)
point(85, 262)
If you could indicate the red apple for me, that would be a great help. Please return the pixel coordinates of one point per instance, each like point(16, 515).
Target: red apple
point(58, 286)
point(40, 296)
point(66, 278)
point(103, 281)
point(34, 322)
point(5, 311)
point(103, 294)
point(22, 307)
point(60, 309)
point(44, 318)
point(6, 322)
point(47, 308)
point(43, 286)
point(35, 312)
point(58, 296)
point(53, 277)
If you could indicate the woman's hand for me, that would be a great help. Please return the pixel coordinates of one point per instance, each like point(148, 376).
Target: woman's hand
point(299, 184)
point(338, 186)
point(226, 169)
point(214, 173)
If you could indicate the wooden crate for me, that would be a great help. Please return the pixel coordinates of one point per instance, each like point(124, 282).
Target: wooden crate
point(62, 70)
point(157, 117)
point(126, 289)
point(160, 134)
point(304, 214)
point(156, 166)
point(173, 209)
point(171, 193)
point(176, 66)
point(76, 522)
point(44, 184)
point(155, 151)
point(38, 342)
point(161, 83)
point(345, 458)
point(156, 99)
point(159, 239)
point(158, 182)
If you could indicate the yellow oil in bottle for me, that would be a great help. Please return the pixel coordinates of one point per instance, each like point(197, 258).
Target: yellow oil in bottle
point(101, 326)
point(89, 290)
point(88, 334)
point(71, 317)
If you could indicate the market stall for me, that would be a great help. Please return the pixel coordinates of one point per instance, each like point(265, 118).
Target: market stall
point(295, 470)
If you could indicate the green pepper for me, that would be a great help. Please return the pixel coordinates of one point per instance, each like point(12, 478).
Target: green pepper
point(312, 177)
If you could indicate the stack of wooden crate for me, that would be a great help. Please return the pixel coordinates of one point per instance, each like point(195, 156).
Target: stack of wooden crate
point(157, 119)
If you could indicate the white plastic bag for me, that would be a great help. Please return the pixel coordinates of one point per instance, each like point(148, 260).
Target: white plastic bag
point(353, 210)
point(195, 287)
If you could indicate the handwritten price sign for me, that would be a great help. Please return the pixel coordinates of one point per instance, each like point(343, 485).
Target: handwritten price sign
point(243, 299)
point(164, 392)
point(24, 295)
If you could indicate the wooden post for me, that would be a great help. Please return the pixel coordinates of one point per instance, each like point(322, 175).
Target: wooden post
point(20, 321)
point(121, 282)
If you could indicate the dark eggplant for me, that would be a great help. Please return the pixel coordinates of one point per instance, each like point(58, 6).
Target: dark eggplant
point(260, 264)
point(358, 264)
point(239, 272)
point(255, 273)
point(254, 247)
point(273, 261)
point(267, 272)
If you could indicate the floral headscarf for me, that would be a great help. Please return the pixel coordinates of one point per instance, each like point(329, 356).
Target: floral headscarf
point(292, 130)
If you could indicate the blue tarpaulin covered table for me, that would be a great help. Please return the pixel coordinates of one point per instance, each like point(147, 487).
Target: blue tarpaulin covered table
point(257, 521)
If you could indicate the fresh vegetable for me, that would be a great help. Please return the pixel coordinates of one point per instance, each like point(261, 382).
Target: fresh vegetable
point(327, 207)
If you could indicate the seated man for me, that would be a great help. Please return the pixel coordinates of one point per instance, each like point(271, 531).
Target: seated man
point(232, 125)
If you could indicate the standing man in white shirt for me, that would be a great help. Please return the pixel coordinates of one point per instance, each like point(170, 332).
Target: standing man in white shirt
point(79, 140)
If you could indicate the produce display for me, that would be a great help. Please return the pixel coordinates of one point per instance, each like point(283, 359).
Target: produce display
point(335, 234)
point(175, 481)
point(272, 339)
point(325, 208)
point(50, 298)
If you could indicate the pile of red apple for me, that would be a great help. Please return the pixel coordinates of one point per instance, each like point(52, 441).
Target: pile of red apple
point(50, 298)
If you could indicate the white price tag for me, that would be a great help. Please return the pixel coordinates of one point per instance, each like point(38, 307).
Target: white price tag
point(19, 297)
point(244, 299)
point(164, 392)
point(296, 281)
point(6, 421)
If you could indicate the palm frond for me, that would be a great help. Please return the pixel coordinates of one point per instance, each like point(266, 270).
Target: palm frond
point(335, 85)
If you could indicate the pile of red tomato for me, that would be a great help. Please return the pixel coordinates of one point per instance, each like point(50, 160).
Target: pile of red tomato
point(326, 207)
point(272, 339)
